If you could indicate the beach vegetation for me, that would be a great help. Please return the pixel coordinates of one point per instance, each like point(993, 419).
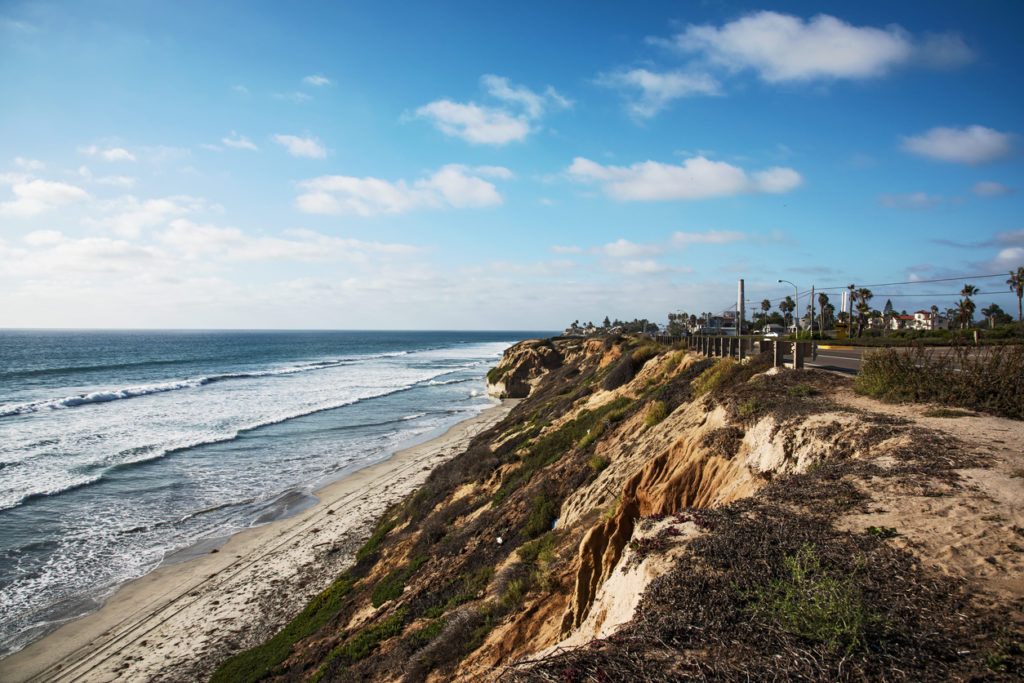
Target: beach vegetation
point(262, 661)
point(598, 463)
point(362, 645)
point(814, 603)
point(392, 585)
point(552, 446)
point(543, 513)
point(384, 525)
point(591, 436)
point(494, 375)
point(656, 413)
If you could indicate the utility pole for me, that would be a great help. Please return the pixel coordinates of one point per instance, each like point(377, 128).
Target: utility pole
point(739, 310)
point(812, 311)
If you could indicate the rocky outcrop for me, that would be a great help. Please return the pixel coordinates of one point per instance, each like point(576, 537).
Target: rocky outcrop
point(521, 368)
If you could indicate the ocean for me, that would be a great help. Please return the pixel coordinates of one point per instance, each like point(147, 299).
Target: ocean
point(124, 450)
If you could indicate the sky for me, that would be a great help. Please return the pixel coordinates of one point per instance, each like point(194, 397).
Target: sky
point(467, 165)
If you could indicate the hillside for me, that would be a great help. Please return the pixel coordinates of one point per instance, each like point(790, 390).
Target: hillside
point(644, 513)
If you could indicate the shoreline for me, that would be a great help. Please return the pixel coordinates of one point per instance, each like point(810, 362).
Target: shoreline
point(182, 619)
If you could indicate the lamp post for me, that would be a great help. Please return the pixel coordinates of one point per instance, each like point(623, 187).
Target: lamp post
point(796, 300)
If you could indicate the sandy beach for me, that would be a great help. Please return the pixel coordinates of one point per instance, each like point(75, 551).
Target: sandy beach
point(179, 622)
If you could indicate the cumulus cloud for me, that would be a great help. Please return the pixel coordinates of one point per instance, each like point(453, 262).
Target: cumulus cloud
point(110, 154)
point(1007, 259)
point(302, 147)
point(972, 145)
point(316, 80)
point(696, 178)
point(785, 48)
point(681, 240)
point(131, 216)
point(29, 164)
point(494, 125)
point(33, 197)
point(913, 200)
point(453, 185)
point(623, 248)
point(54, 254)
point(239, 142)
point(990, 188)
point(657, 90)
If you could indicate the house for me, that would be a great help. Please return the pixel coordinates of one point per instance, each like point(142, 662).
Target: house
point(902, 322)
point(926, 320)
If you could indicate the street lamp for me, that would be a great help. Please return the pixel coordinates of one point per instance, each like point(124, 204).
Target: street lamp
point(796, 300)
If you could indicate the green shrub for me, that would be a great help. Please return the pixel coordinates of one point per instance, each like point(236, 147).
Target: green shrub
point(644, 354)
point(711, 378)
point(513, 594)
point(542, 514)
point(363, 644)
point(261, 661)
point(656, 413)
point(392, 585)
point(989, 379)
point(591, 436)
point(599, 462)
point(531, 551)
point(799, 390)
point(673, 362)
point(751, 408)
point(552, 446)
point(384, 525)
point(814, 604)
point(494, 375)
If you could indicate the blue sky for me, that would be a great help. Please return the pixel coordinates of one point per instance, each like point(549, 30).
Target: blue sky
point(475, 166)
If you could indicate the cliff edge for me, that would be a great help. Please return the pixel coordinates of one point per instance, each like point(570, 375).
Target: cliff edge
point(646, 513)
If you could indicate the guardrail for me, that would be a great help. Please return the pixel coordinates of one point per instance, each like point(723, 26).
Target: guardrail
point(742, 347)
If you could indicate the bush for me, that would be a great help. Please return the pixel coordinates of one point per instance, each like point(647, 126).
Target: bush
point(599, 462)
point(656, 413)
point(259, 662)
point(623, 371)
point(494, 375)
point(392, 585)
point(542, 515)
point(989, 379)
point(644, 354)
point(814, 604)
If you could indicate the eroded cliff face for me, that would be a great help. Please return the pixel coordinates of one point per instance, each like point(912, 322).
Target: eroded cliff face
point(550, 530)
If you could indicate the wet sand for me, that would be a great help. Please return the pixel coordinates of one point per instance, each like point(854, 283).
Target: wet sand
point(180, 621)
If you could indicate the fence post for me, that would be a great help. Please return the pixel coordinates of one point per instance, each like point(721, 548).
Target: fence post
point(779, 349)
point(799, 350)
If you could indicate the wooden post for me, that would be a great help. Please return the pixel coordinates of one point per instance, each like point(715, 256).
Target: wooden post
point(799, 350)
point(779, 352)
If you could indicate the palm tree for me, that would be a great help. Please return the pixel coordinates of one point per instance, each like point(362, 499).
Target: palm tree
point(862, 296)
point(966, 306)
point(822, 303)
point(766, 305)
point(787, 306)
point(1016, 283)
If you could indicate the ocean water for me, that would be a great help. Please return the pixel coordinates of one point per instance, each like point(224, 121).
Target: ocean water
point(121, 450)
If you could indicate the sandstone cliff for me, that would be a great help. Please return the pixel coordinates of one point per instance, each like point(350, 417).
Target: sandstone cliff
point(646, 513)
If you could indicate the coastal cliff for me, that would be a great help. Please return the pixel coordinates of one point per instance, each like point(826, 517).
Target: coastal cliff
point(647, 513)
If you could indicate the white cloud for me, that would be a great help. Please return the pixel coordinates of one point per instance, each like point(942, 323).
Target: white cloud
point(1007, 259)
point(316, 80)
point(32, 197)
point(302, 147)
point(494, 125)
point(110, 154)
point(116, 180)
point(623, 248)
point(133, 216)
point(682, 240)
point(696, 178)
point(657, 90)
point(973, 145)
point(641, 267)
point(914, 200)
point(193, 241)
point(943, 51)
point(783, 47)
point(453, 185)
point(29, 164)
point(473, 123)
point(566, 250)
point(41, 238)
point(239, 142)
point(990, 188)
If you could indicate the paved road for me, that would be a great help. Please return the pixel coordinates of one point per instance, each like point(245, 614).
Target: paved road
point(844, 359)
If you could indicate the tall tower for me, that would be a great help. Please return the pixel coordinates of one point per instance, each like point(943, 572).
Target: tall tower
point(739, 310)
